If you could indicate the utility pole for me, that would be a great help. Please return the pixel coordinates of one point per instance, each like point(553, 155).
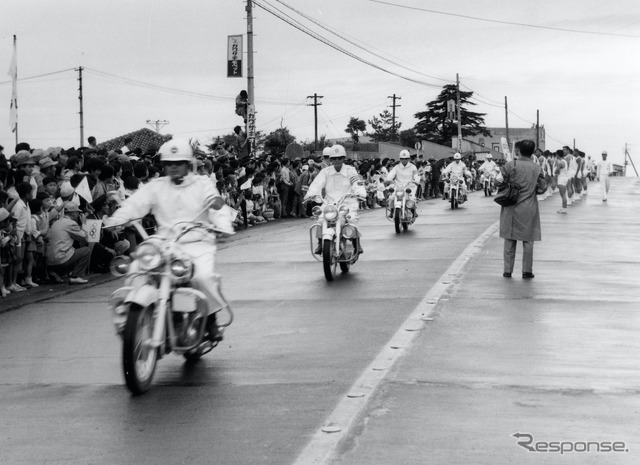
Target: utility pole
point(157, 124)
point(458, 113)
point(81, 110)
point(626, 154)
point(394, 105)
point(315, 105)
point(506, 119)
point(537, 129)
point(250, 129)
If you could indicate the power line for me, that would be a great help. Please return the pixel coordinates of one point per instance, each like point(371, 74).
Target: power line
point(475, 18)
point(40, 75)
point(297, 25)
point(347, 39)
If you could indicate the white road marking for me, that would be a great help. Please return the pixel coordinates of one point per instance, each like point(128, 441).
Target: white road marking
point(339, 425)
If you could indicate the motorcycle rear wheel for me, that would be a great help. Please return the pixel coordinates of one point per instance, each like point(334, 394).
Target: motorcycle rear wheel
point(329, 263)
point(396, 220)
point(138, 358)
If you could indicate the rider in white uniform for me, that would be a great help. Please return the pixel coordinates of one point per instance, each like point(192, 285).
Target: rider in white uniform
point(180, 196)
point(402, 174)
point(336, 181)
point(459, 169)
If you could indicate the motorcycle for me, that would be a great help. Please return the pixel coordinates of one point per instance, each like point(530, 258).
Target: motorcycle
point(456, 195)
point(404, 207)
point(336, 235)
point(157, 311)
point(488, 184)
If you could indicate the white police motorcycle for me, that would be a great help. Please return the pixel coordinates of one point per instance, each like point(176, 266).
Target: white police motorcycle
point(404, 206)
point(336, 236)
point(157, 311)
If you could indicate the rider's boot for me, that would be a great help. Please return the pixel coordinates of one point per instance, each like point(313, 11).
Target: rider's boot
point(356, 244)
point(212, 333)
point(318, 250)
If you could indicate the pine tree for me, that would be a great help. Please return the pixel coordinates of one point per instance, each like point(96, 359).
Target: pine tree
point(435, 125)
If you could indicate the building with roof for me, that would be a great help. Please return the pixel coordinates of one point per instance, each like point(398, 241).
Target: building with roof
point(144, 139)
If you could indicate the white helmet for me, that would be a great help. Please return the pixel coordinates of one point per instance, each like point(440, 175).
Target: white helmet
point(489, 157)
point(176, 150)
point(457, 156)
point(405, 155)
point(337, 151)
point(326, 151)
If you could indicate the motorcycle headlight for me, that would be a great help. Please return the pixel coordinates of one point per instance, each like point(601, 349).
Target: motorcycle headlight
point(399, 194)
point(349, 232)
point(330, 213)
point(454, 179)
point(119, 265)
point(410, 204)
point(149, 255)
point(181, 269)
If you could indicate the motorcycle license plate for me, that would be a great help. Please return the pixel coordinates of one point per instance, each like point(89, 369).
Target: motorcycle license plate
point(184, 303)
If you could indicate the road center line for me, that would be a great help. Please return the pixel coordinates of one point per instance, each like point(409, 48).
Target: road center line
point(338, 426)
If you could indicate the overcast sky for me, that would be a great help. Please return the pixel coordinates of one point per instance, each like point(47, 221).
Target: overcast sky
point(166, 60)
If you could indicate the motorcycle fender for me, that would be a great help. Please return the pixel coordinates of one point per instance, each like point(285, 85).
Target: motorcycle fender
point(328, 233)
point(143, 295)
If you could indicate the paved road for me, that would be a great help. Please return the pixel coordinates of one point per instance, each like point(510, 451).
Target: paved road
point(296, 346)
point(452, 393)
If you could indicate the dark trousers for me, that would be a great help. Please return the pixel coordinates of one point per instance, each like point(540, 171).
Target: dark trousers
point(510, 255)
point(77, 264)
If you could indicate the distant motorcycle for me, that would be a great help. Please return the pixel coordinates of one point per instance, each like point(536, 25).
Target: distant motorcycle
point(488, 183)
point(157, 311)
point(336, 236)
point(404, 207)
point(456, 195)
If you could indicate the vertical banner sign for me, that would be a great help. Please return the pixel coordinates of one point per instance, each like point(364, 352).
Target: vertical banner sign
point(251, 126)
point(505, 148)
point(451, 109)
point(234, 56)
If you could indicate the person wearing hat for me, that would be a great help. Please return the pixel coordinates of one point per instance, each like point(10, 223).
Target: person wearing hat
point(604, 170)
point(326, 158)
point(7, 253)
point(459, 169)
point(489, 170)
point(47, 169)
point(401, 175)
point(336, 181)
point(182, 196)
point(61, 255)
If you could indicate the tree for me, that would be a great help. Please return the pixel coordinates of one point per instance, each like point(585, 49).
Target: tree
point(276, 142)
point(355, 125)
point(310, 146)
point(383, 130)
point(408, 138)
point(434, 124)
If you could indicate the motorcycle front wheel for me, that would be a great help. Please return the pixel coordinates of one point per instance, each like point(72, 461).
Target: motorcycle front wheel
point(329, 263)
point(454, 199)
point(138, 357)
point(396, 220)
point(487, 190)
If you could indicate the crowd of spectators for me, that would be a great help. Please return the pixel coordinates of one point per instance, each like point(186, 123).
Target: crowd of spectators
point(48, 196)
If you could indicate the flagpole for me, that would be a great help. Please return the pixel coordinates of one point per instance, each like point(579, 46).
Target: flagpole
point(13, 72)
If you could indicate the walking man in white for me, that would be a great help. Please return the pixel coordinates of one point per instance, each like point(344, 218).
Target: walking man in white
point(604, 170)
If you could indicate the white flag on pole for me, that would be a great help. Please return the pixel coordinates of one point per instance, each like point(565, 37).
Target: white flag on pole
point(83, 190)
point(13, 72)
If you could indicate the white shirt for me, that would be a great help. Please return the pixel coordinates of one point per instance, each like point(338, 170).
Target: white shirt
point(457, 169)
point(337, 183)
point(489, 167)
point(605, 168)
point(172, 203)
point(404, 174)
